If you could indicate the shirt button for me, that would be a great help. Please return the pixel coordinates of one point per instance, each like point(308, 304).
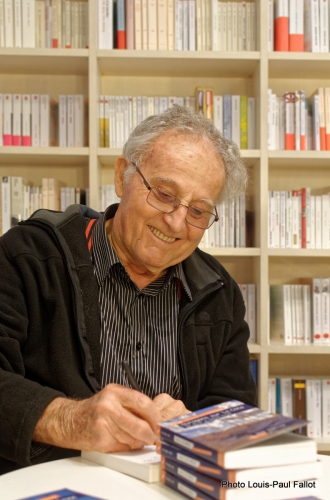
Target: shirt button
point(138, 346)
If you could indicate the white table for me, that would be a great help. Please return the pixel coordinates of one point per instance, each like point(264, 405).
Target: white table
point(84, 476)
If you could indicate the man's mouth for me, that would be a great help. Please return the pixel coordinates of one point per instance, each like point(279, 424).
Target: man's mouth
point(161, 236)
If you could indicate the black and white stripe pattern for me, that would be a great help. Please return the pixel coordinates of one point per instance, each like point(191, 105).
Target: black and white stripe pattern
point(137, 325)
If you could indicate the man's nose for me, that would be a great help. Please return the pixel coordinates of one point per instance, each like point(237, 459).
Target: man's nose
point(177, 219)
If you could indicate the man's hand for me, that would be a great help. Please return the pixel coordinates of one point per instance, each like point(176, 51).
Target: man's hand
point(115, 419)
point(169, 407)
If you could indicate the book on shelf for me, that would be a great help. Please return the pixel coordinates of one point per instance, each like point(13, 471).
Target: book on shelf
point(305, 396)
point(281, 25)
point(143, 464)
point(296, 26)
point(44, 23)
point(63, 494)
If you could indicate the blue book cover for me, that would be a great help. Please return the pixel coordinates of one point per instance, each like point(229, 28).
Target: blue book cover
point(188, 490)
point(227, 116)
point(181, 456)
point(228, 426)
point(63, 494)
point(254, 370)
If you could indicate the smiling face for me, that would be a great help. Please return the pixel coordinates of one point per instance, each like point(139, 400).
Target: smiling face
point(149, 241)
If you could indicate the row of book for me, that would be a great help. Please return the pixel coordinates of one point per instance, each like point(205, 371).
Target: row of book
point(177, 25)
point(299, 219)
point(44, 24)
point(233, 115)
point(204, 455)
point(19, 199)
point(297, 26)
point(305, 398)
point(299, 313)
point(38, 120)
point(294, 124)
point(234, 228)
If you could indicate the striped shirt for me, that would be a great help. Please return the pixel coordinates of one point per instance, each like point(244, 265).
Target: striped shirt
point(139, 326)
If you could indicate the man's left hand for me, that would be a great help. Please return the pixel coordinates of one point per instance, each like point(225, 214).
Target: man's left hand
point(169, 407)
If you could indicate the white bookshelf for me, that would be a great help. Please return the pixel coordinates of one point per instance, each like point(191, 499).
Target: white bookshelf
point(126, 72)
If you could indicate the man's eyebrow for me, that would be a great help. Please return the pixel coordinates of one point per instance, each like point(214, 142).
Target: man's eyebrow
point(172, 183)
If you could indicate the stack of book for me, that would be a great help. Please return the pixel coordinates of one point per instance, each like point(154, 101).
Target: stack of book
point(234, 451)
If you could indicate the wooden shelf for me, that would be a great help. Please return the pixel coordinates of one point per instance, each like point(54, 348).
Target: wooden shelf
point(298, 252)
point(10, 155)
point(233, 252)
point(177, 63)
point(278, 348)
point(299, 65)
point(298, 159)
point(44, 61)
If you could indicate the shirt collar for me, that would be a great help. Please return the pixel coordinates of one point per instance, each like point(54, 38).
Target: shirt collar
point(105, 257)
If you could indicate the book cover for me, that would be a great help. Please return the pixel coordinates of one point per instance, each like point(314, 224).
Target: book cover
point(213, 431)
point(143, 464)
point(63, 494)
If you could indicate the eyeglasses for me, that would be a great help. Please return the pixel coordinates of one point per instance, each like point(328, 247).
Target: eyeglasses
point(165, 202)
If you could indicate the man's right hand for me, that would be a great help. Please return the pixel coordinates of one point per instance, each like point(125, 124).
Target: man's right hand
point(115, 419)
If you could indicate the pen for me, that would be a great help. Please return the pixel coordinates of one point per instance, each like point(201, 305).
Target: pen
point(130, 376)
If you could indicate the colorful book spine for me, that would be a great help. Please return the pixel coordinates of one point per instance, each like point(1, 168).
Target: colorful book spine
point(121, 20)
point(281, 29)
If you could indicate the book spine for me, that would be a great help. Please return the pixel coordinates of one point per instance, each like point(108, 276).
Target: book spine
point(62, 142)
point(192, 24)
point(325, 220)
point(289, 120)
point(170, 24)
point(35, 111)
point(121, 20)
point(296, 25)
point(288, 333)
point(6, 204)
point(137, 25)
point(243, 122)
point(311, 26)
point(44, 120)
point(161, 24)
point(9, 23)
point(79, 121)
point(182, 487)
point(7, 119)
point(68, 25)
point(281, 27)
point(326, 408)
point(144, 24)
point(205, 483)
point(70, 121)
point(317, 310)
point(251, 122)
point(307, 313)
point(236, 119)
point(26, 120)
point(270, 30)
point(324, 25)
point(299, 403)
point(17, 120)
point(28, 23)
point(2, 24)
point(327, 117)
point(129, 6)
point(251, 312)
point(55, 24)
point(185, 24)
point(152, 24)
point(322, 118)
point(18, 24)
point(325, 310)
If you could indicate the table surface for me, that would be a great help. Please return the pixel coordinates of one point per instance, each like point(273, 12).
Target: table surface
point(86, 477)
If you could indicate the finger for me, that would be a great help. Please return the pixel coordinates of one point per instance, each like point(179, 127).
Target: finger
point(163, 400)
point(173, 410)
point(137, 403)
point(129, 423)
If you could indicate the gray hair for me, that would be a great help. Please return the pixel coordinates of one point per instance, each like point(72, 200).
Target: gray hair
point(182, 119)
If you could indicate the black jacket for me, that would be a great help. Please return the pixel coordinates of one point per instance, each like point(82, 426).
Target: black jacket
point(50, 329)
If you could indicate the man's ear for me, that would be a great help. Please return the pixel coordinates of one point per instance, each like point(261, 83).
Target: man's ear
point(120, 167)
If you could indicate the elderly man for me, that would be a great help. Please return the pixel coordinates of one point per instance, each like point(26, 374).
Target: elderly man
point(83, 292)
